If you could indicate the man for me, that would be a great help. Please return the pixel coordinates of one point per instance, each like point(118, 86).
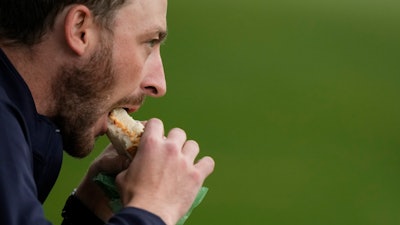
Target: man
point(64, 65)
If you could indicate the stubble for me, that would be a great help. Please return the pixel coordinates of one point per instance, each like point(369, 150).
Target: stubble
point(81, 93)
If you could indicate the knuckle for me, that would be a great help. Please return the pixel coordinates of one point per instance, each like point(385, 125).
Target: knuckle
point(150, 140)
point(196, 177)
point(172, 147)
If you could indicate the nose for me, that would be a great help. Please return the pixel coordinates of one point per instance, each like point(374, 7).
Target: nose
point(154, 83)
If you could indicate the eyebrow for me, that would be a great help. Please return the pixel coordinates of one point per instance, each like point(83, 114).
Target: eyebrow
point(162, 35)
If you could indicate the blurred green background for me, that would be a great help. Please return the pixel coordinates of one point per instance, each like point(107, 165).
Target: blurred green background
point(298, 103)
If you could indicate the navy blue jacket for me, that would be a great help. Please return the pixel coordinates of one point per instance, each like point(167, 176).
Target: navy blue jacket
point(31, 157)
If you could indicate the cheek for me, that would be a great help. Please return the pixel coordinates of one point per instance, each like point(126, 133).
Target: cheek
point(128, 70)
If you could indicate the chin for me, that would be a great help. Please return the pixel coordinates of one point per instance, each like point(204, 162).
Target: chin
point(79, 145)
point(79, 152)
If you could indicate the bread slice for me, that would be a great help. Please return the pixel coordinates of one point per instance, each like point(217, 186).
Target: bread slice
point(124, 132)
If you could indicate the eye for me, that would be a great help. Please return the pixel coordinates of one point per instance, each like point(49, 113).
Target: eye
point(153, 42)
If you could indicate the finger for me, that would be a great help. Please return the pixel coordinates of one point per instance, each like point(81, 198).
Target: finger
point(154, 127)
point(206, 166)
point(109, 150)
point(120, 177)
point(113, 164)
point(177, 135)
point(144, 122)
point(191, 149)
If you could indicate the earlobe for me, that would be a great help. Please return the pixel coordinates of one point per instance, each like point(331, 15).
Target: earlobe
point(77, 23)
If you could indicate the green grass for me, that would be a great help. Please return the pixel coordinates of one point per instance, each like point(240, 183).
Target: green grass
point(297, 101)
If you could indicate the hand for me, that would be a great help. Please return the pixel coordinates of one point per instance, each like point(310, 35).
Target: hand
point(109, 162)
point(163, 177)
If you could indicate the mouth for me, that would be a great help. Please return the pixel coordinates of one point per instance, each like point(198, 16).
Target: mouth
point(130, 105)
point(128, 109)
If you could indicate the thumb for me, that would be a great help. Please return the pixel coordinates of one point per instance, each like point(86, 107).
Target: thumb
point(112, 164)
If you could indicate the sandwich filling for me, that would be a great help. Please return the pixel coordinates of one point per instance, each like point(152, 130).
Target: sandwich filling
point(124, 132)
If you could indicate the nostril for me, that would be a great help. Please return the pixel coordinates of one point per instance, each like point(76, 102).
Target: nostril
point(153, 90)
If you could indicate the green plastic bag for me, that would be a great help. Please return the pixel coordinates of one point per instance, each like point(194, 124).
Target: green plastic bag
point(200, 196)
point(107, 183)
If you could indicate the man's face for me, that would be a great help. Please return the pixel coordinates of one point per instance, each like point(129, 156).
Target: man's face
point(125, 67)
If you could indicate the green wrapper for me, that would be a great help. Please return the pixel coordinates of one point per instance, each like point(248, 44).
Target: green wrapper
point(107, 183)
point(200, 196)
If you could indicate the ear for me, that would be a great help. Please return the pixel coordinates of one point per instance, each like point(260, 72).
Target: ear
point(78, 28)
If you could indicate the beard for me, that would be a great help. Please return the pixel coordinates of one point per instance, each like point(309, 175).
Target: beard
point(81, 94)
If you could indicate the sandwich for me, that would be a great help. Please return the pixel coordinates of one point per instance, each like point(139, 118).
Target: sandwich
point(124, 132)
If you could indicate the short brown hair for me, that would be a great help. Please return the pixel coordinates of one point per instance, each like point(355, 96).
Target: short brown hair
point(26, 21)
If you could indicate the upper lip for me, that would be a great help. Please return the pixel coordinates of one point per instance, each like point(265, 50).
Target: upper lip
point(131, 108)
point(128, 109)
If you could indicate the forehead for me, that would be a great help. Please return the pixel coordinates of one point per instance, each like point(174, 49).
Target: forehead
point(142, 16)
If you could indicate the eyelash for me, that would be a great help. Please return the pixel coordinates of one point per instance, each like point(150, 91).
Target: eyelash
point(154, 42)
